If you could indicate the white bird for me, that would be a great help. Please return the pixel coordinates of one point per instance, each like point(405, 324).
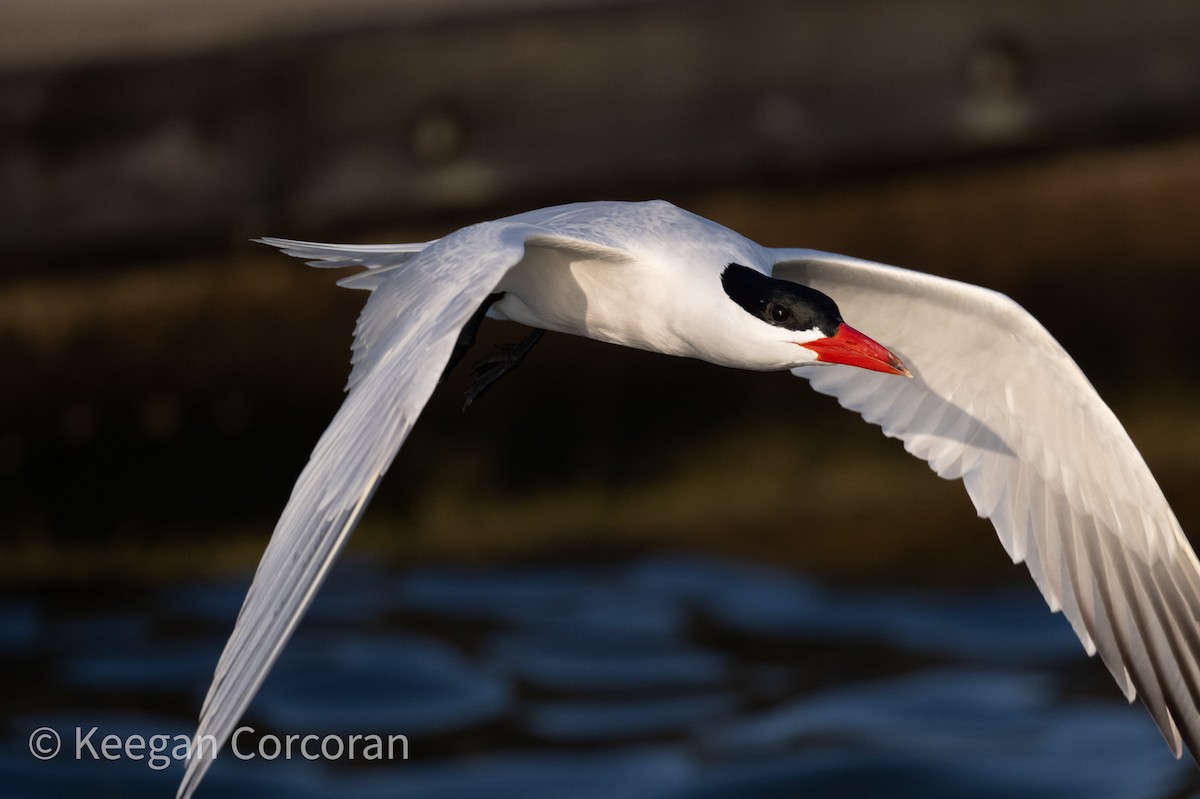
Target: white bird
point(983, 393)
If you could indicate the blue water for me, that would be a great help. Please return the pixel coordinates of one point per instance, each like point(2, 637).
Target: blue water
point(657, 678)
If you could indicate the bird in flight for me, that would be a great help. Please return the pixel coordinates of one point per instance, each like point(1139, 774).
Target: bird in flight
point(963, 376)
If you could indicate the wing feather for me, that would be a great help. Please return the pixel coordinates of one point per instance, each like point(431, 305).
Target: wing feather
point(404, 337)
point(997, 402)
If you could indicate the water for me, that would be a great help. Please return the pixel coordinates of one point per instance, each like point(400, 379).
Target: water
point(659, 678)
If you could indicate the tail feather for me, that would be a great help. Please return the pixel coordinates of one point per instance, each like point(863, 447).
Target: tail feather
point(379, 259)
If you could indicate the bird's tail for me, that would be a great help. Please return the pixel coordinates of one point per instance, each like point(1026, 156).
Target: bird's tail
point(379, 259)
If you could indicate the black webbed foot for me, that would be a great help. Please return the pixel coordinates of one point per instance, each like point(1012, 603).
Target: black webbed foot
point(466, 336)
point(487, 371)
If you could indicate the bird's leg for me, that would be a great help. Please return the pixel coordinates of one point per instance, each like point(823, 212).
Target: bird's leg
point(490, 369)
point(466, 337)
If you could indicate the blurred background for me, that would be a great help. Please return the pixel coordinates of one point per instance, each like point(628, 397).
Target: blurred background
point(165, 380)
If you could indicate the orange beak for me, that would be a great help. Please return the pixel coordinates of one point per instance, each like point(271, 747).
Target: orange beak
point(852, 348)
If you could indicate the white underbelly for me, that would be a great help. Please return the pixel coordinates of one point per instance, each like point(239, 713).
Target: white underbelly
point(555, 293)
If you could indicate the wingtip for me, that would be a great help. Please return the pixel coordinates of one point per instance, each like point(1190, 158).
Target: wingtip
point(187, 786)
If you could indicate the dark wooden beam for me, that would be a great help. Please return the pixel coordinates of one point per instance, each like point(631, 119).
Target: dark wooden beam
point(323, 120)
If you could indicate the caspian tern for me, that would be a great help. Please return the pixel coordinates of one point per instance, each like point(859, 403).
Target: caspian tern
point(976, 387)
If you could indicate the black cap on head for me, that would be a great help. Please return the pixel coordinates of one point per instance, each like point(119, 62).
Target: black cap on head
point(781, 303)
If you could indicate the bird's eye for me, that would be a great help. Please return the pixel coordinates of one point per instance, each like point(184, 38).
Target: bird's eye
point(778, 313)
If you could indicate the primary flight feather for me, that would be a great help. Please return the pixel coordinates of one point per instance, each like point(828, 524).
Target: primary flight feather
point(966, 378)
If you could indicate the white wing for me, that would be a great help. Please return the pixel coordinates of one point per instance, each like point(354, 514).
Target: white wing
point(997, 402)
point(421, 297)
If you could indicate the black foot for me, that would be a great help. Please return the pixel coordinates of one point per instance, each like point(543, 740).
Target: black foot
point(485, 373)
point(466, 336)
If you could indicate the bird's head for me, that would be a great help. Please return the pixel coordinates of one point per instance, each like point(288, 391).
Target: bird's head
point(807, 319)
